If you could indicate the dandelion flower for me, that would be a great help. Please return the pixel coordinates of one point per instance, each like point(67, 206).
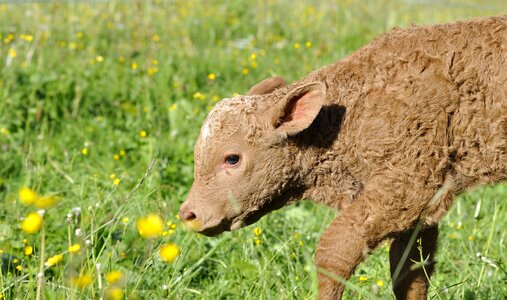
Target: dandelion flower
point(143, 133)
point(296, 45)
point(28, 250)
point(81, 281)
point(74, 248)
point(4, 131)
point(54, 260)
point(27, 196)
point(116, 157)
point(169, 252)
point(245, 71)
point(173, 107)
point(212, 76)
point(308, 44)
point(380, 283)
point(116, 181)
point(113, 293)
point(150, 226)
point(84, 151)
point(12, 53)
point(114, 276)
point(46, 202)
point(32, 223)
point(134, 66)
point(363, 278)
point(257, 231)
point(122, 152)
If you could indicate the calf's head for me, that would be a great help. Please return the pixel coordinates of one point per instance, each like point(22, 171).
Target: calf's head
point(243, 166)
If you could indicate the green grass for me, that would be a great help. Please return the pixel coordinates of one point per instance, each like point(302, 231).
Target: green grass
point(77, 75)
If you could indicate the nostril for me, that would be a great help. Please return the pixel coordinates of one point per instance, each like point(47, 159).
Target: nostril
point(187, 215)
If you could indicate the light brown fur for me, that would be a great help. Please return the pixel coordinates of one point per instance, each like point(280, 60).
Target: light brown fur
point(389, 135)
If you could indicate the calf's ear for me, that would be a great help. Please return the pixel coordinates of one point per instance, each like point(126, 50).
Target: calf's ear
point(267, 86)
point(299, 108)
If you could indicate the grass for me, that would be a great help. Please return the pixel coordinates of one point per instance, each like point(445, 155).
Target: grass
point(92, 93)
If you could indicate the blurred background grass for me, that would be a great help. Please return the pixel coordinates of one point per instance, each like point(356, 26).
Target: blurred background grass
point(91, 92)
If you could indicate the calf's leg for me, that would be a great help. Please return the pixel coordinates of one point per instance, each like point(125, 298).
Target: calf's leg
point(342, 247)
point(411, 281)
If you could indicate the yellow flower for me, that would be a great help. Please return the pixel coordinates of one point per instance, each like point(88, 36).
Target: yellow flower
point(116, 181)
point(19, 268)
point(4, 131)
point(308, 44)
point(74, 248)
point(46, 202)
point(79, 35)
point(113, 293)
point(125, 220)
point(257, 231)
point(54, 260)
point(296, 45)
point(116, 157)
point(84, 151)
point(212, 76)
point(215, 98)
point(81, 281)
point(150, 226)
point(28, 250)
point(199, 96)
point(363, 278)
point(28, 196)
point(173, 107)
point(253, 56)
point(134, 66)
point(380, 283)
point(470, 238)
point(114, 276)
point(12, 53)
point(143, 133)
point(32, 223)
point(112, 176)
point(245, 71)
point(155, 38)
point(257, 241)
point(169, 252)
point(122, 152)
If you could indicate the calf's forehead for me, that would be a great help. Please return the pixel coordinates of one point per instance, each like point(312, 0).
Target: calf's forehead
point(222, 122)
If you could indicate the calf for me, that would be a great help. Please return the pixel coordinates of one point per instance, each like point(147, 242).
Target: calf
point(389, 136)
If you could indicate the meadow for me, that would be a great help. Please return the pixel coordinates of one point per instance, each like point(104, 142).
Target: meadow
point(100, 105)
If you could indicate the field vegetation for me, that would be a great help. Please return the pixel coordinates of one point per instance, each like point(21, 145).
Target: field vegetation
point(100, 104)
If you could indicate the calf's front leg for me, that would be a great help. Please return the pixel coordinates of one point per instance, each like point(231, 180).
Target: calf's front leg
point(342, 247)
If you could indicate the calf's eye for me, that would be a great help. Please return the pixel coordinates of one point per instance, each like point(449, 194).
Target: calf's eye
point(232, 160)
